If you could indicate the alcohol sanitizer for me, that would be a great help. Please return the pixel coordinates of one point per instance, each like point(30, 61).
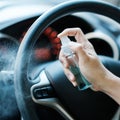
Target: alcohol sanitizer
point(82, 83)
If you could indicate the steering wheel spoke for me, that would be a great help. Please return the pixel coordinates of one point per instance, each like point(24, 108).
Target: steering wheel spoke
point(43, 93)
point(43, 88)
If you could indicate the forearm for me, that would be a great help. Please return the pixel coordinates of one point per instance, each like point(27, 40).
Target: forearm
point(111, 86)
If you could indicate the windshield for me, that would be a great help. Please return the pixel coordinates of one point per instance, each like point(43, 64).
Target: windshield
point(115, 2)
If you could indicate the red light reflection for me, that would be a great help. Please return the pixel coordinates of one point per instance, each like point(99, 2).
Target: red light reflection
point(43, 54)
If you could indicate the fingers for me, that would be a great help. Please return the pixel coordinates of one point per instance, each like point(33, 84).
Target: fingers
point(70, 76)
point(81, 53)
point(84, 45)
point(76, 32)
point(66, 65)
point(63, 60)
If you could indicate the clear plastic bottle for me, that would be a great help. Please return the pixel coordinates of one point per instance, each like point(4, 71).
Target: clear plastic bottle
point(82, 83)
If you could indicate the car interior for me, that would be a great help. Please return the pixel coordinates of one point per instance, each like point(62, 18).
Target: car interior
point(33, 85)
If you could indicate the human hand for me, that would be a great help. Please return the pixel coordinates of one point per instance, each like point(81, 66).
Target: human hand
point(88, 61)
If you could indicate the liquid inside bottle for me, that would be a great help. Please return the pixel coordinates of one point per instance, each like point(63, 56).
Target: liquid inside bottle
point(82, 83)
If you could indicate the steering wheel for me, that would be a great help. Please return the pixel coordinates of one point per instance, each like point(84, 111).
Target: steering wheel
point(51, 88)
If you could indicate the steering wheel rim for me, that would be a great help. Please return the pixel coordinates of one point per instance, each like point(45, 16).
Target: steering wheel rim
point(22, 83)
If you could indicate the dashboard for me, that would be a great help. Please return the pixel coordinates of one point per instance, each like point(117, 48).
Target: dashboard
point(48, 45)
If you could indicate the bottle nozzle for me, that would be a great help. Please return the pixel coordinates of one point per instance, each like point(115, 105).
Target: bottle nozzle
point(65, 40)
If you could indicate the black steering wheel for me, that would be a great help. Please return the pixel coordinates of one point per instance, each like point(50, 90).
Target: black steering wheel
point(51, 88)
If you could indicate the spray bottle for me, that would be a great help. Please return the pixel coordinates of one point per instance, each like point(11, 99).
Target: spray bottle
point(82, 83)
